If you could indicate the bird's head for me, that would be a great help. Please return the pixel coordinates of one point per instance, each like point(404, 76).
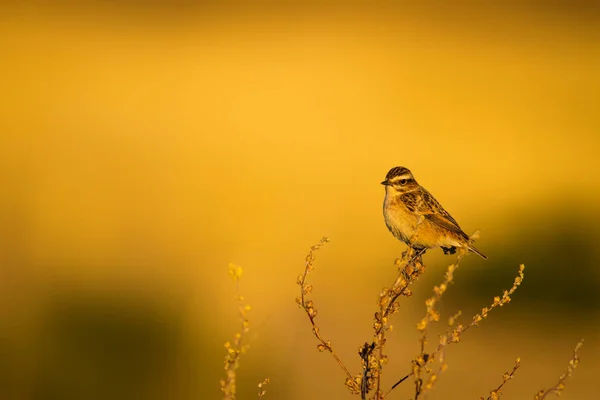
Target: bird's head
point(399, 179)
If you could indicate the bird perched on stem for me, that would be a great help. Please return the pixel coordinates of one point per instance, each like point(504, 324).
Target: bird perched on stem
point(415, 217)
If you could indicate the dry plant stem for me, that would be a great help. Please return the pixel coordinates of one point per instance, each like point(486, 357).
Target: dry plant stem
point(442, 356)
point(261, 390)
point(365, 355)
point(410, 270)
point(455, 335)
point(228, 385)
point(311, 312)
point(432, 315)
point(379, 358)
point(560, 385)
point(384, 314)
point(495, 394)
point(404, 288)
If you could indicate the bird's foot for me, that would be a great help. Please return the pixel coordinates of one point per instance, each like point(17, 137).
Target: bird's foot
point(449, 250)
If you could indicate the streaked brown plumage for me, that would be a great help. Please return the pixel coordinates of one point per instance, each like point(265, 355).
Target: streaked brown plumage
point(415, 217)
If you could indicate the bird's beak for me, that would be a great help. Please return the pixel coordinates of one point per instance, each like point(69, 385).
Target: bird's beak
point(385, 183)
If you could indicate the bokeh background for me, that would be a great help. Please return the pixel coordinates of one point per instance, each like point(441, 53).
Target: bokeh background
point(144, 146)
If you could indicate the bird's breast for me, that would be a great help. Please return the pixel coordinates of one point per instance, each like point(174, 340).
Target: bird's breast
point(399, 220)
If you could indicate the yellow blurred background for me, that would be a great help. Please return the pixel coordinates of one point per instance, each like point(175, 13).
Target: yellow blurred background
point(144, 147)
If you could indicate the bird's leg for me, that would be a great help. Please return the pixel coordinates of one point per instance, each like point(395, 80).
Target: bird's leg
point(419, 251)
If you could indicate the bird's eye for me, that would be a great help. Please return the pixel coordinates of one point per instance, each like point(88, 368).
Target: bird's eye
point(403, 181)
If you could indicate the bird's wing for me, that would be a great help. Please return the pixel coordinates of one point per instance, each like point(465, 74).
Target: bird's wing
point(423, 203)
point(446, 224)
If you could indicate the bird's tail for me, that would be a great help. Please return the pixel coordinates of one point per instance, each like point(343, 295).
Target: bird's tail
point(474, 250)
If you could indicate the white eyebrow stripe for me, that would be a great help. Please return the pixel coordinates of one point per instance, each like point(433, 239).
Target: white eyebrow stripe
point(399, 178)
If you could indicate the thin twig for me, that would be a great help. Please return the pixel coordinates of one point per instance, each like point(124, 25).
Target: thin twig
point(455, 335)
point(432, 315)
point(235, 349)
point(410, 270)
point(560, 385)
point(261, 388)
point(495, 394)
point(311, 312)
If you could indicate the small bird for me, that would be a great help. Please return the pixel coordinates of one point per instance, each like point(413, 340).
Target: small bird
point(415, 217)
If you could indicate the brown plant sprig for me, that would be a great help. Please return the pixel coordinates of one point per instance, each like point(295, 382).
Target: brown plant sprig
point(560, 385)
point(495, 394)
point(311, 311)
point(454, 335)
point(372, 355)
point(235, 349)
point(441, 356)
point(261, 388)
point(410, 268)
point(432, 315)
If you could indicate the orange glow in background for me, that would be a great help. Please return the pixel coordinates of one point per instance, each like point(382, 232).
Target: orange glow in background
point(142, 149)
